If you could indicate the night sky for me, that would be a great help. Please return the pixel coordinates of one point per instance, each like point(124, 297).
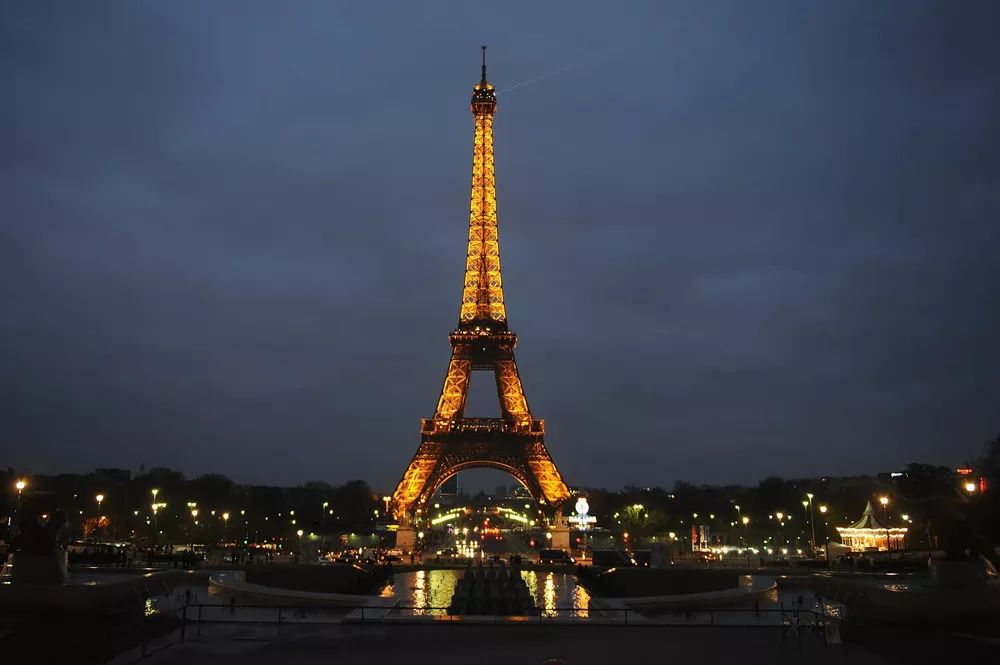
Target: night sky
point(738, 238)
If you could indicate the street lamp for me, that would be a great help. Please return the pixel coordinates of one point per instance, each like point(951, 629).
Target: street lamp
point(100, 498)
point(322, 544)
point(746, 521)
point(812, 521)
point(156, 520)
point(20, 485)
point(970, 487)
point(387, 499)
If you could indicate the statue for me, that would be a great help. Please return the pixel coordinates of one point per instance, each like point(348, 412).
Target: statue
point(33, 556)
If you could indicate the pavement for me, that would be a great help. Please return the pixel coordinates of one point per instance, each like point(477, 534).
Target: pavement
point(487, 645)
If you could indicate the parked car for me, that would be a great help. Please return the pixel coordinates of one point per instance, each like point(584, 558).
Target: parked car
point(611, 558)
point(642, 557)
point(555, 556)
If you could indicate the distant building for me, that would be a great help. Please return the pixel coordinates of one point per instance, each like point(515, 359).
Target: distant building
point(114, 475)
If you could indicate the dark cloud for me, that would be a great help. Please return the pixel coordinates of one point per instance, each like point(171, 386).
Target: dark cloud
point(737, 240)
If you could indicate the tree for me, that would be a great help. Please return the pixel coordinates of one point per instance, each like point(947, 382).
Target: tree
point(639, 521)
point(921, 481)
point(214, 490)
point(92, 524)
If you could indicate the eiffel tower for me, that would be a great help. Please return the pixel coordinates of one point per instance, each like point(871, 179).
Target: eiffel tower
point(450, 442)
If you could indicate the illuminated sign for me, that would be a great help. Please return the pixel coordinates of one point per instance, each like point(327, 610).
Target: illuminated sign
point(963, 472)
point(581, 519)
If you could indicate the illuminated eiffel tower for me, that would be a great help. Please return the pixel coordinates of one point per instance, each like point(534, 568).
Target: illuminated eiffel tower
point(450, 442)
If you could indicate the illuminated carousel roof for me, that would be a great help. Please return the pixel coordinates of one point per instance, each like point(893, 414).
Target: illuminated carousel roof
point(868, 520)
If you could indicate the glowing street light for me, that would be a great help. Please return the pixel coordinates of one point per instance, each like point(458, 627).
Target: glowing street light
point(100, 499)
point(387, 499)
point(822, 509)
point(808, 505)
point(299, 533)
point(225, 518)
point(194, 513)
point(746, 520)
point(20, 486)
point(970, 487)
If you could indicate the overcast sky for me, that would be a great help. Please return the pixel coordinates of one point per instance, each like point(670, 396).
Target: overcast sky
point(738, 238)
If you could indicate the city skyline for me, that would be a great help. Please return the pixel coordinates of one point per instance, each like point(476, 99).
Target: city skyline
point(736, 243)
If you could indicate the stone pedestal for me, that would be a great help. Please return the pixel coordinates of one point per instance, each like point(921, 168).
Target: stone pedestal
point(36, 568)
point(405, 539)
point(961, 575)
point(560, 538)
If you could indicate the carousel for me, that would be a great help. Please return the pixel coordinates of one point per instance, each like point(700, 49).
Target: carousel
point(869, 533)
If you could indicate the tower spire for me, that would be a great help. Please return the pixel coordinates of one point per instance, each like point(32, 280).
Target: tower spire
point(482, 296)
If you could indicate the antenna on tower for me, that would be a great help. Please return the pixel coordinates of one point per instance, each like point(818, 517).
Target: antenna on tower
point(484, 66)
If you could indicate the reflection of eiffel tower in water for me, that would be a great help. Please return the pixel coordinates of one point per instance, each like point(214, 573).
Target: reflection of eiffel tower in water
point(450, 442)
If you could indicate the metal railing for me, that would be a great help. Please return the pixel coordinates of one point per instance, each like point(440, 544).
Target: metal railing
point(795, 624)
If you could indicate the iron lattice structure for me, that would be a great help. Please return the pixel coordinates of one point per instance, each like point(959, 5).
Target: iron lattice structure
point(450, 442)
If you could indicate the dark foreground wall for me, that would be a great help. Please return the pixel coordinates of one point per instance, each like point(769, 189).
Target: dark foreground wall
point(125, 596)
point(639, 582)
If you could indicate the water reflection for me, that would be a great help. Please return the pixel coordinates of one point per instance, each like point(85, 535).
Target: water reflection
point(549, 606)
point(430, 592)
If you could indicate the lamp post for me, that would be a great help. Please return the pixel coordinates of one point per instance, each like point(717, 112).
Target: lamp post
point(100, 499)
point(323, 542)
point(156, 523)
point(746, 546)
point(884, 500)
point(387, 499)
point(826, 537)
point(812, 523)
point(781, 534)
point(20, 485)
